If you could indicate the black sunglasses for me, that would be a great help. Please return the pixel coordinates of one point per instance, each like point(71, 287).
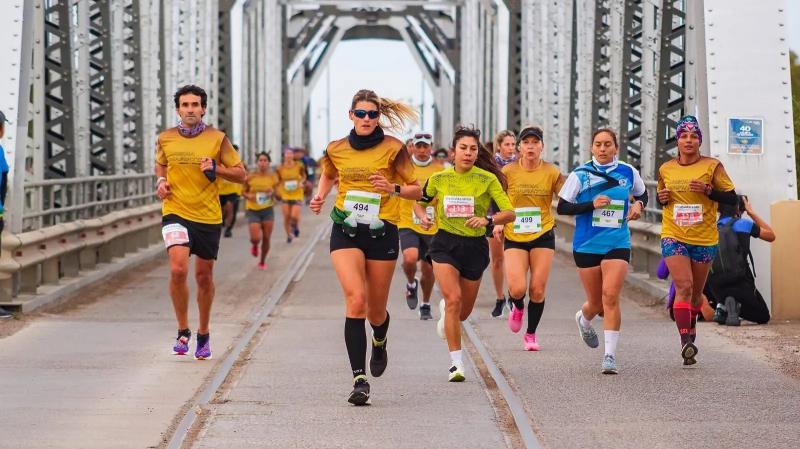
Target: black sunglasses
point(423, 136)
point(360, 113)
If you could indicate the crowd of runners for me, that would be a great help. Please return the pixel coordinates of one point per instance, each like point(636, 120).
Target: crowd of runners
point(449, 215)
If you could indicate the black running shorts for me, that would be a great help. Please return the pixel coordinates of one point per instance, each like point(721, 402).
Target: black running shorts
point(589, 260)
point(382, 248)
point(469, 255)
point(546, 240)
point(203, 237)
point(413, 239)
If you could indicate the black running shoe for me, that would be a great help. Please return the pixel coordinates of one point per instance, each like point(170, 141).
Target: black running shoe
point(228, 233)
point(6, 314)
point(425, 312)
point(360, 393)
point(379, 359)
point(411, 295)
point(732, 319)
point(296, 231)
point(688, 352)
point(498, 308)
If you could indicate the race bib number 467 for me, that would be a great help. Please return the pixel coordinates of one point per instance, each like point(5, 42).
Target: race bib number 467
point(610, 216)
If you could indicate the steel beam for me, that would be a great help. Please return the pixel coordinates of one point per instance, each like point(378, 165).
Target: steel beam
point(59, 151)
point(101, 120)
point(672, 78)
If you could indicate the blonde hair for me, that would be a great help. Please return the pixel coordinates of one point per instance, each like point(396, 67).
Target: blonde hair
point(498, 138)
point(394, 114)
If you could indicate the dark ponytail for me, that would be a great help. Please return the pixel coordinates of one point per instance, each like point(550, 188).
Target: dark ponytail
point(485, 160)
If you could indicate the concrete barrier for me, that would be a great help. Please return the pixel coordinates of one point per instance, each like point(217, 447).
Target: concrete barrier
point(47, 256)
point(785, 220)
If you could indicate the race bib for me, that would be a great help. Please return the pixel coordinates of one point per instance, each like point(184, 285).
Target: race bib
point(290, 186)
point(687, 214)
point(366, 206)
point(528, 221)
point(459, 206)
point(175, 234)
point(262, 198)
point(610, 216)
point(429, 211)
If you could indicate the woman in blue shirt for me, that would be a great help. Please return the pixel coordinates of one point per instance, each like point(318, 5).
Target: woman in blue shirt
point(598, 194)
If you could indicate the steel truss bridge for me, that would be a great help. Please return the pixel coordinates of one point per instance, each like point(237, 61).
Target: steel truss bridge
point(88, 83)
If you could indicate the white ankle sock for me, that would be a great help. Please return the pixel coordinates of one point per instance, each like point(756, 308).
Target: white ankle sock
point(611, 342)
point(411, 284)
point(584, 322)
point(455, 356)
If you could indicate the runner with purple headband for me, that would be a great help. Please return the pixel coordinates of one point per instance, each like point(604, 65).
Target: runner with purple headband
point(689, 189)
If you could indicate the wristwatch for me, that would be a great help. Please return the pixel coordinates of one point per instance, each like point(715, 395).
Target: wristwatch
point(396, 189)
point(159, 180)
point(490, 221)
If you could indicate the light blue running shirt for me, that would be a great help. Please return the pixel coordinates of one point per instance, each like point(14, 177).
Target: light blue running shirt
point(596, 231)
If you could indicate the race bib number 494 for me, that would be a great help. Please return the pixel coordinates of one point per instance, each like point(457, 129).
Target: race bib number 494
point(459, 206)
point(175, 234)
point(366, 206)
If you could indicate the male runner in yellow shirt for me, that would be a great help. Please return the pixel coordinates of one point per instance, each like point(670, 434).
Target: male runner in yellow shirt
point(189, 158)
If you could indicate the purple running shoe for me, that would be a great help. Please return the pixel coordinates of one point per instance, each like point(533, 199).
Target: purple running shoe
point(181, 345)
point(203, 351)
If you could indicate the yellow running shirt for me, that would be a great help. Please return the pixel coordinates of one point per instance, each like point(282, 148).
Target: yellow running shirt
point(354, 167)
point(194, 197)
point(228, 188)
point(407, 218)
point(691, 217)
point(291, 186)
point(263, 185)
point(531, 193)
point(463, 195)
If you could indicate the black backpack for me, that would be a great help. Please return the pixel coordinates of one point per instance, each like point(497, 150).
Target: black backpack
point(731, 262)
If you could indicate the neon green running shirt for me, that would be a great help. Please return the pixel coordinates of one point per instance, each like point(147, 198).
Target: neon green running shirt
point(464, 195)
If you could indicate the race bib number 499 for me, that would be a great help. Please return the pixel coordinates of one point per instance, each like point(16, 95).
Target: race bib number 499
point(528, 221)
point(459, 206)
point(175, 234)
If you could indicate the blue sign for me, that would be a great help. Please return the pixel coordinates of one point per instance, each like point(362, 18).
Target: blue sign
point(745, 136)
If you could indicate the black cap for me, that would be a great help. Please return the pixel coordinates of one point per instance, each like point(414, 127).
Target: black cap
point(3, 118)
point(531, 131)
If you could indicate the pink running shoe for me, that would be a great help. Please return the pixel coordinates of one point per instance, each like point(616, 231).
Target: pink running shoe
point(515, 319)
point(254, 250)
point(530, 342)
point(262, 266)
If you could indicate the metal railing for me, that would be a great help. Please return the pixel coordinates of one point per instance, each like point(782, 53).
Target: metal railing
point(55, 201)
point(652, 213)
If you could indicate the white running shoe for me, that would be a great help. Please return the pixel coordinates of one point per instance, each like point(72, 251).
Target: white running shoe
point(456, 373)
point(440, 323)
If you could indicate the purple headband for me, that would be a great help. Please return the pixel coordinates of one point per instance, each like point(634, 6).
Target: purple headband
point(689, 124)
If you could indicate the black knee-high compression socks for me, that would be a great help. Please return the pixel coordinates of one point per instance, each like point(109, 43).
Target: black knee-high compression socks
point(519, 303)
point(379, 332)
point(355, 338)
point(535, 310)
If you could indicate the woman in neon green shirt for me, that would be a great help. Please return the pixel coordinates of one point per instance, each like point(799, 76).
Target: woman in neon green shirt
point(459, 250)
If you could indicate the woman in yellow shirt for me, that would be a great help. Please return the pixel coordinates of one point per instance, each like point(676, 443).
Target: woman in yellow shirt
point(259, 191)
point(529, 242)
point(689, 188)
point(373, 170)
point(292, 175)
